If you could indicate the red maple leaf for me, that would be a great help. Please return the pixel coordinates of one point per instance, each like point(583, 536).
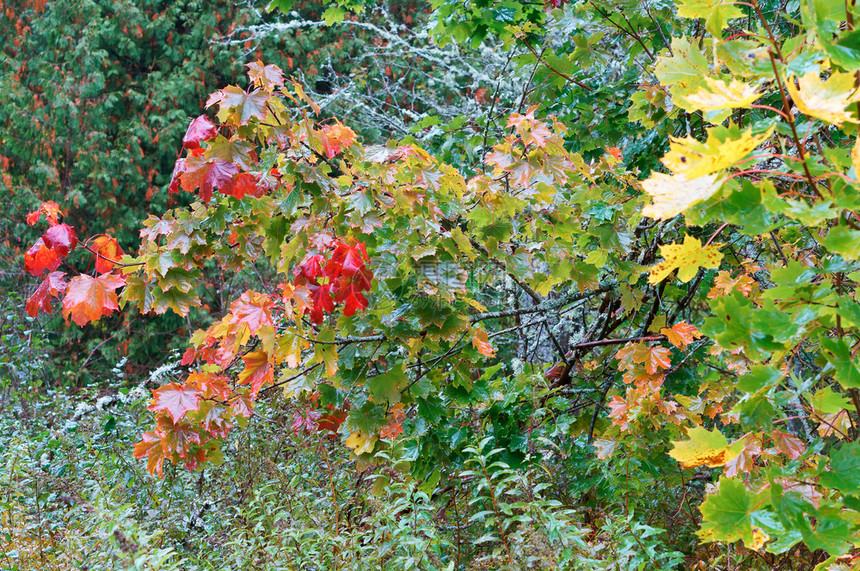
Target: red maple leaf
point(53, 285)
point(61, 238)
point(40, 258)
point(350, 258)
point(205, 175)
point(310, 268)
point(322, 302)
point(200, 129)
point(176, 399)
point(107, 252)
point(177, 437)
point(349, 294)
point(88, 298)
point(242, 184)
point(307, 420)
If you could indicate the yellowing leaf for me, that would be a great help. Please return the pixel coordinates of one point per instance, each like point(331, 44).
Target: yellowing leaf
point(825, 100)
point(720, 95)
point(716, 13)
point(693, 159)
point(681, 334)
point(687, 258)
point(482, 343)
point(705, 448)
point(673, 194)
point(361, 443)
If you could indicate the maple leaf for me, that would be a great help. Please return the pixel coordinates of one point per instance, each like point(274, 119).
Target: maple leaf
point(322, 302)
point(151, 448)
point(704, 448)
point(307, 420)
point(335, 138)
point(725, 284)
point(653, 358)
point(257, 372)
point(350, 294)
point(481, 342)
point(391, 430)
point(178, 437)
point(52, 286)
point(331, 421)
point(176, 399)
point(266, 76)
point(175, 178)
point(210, 385)
point(61, 238)
point(107, 251)
point(311, 267)
point(242, 184)
point(673, 194)
point(88, 298)
point(360, 442)
point(787, 444)
point(253, 309)
point(687, 258)
point(348, 259)
point(40, 258)
point(200, 129)
point(681, 334)
point(693, 159)
point(238, 106)
point(50, 209)
point(825, 100)
point(205, 175)
point(721, 95)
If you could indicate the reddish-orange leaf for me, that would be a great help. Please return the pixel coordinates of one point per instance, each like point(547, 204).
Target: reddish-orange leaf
point(107, 252)
point(211, 385)
point(88, 298)
point(336, 138)
point(390, 431)
point(176, 399)
point(151, 448)
point(481, 342)
point(789, 445)
point(681, 334)
point(654, 358)
point(50, 209)
point(253, 309)
point(53, 285)
point(61, 238)
point(257, 371)
point(242, 184)
point(40, 258)
point(176, 437)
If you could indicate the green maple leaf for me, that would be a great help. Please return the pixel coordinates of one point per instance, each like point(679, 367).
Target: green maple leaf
point(844, 469)
point(386, 387)
point(728, 513)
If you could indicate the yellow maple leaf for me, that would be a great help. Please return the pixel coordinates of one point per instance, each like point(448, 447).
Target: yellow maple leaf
point(361, 443)
point(673, 194)
point(705, 448)
point(693, 159)
point(687, 258)
point(825, 100)
point(855, 157)
point(720, 95)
